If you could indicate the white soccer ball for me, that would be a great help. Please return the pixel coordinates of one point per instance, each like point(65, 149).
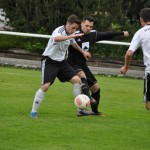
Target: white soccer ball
point(82, 101)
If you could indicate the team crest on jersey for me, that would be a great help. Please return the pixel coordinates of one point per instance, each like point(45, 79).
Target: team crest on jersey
point(85, 46)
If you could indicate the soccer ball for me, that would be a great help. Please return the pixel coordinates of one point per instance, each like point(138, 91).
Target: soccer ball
point(82, 101)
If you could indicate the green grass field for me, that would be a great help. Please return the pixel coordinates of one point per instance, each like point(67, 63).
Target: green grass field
point(126, 125)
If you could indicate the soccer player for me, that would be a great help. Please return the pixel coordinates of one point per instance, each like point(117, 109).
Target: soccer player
point(78, 62)
point(54, 62)
point(141, 39)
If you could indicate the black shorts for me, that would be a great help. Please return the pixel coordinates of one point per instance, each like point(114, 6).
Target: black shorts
point(147, 88)
point(90, 77)
point(52, 69)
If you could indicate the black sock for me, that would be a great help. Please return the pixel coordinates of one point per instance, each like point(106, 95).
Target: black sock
point(96, 96)
point(85, 87)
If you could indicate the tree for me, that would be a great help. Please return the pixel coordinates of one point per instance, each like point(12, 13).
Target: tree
point(43, 16)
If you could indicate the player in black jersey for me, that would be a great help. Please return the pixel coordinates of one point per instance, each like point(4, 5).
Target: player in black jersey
point(78, 62)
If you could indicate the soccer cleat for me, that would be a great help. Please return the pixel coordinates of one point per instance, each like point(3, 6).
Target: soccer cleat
point(84, 112)
point(33, 115)
point(96, 113)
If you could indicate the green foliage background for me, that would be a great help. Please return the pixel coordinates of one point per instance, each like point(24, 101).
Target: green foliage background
point(43, 16)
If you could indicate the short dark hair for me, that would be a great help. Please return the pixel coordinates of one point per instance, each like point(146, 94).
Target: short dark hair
point(89, 18)
point(74, 19)
point(145, 14)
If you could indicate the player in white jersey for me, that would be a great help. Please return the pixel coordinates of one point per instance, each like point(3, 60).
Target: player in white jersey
point(141, 39)
point(54, 62)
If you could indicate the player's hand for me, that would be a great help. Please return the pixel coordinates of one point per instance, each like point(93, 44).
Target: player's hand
point(126, 33)
point(123, 70)
point(87, 55)
point(76, 35)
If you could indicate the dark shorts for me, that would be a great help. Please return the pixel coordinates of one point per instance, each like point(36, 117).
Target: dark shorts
point(90, 77)
point(52, 69)
point(147, 87)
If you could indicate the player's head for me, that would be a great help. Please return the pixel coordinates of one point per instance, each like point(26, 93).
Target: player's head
point(87, 24)
point(145, 16)
point(72, 24)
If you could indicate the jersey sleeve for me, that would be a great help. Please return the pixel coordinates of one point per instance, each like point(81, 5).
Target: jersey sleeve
point(107, 35)
point(56, 33)
point(72, 41)
point(135, 42)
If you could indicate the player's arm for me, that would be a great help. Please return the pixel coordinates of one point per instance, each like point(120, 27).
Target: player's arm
point(64, 38)
point(109, 35)
point(87, 55)
point(128, 57)
point(135, 44)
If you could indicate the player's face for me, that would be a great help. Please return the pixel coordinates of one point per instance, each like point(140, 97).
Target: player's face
point(71, 28)
point(86, 26)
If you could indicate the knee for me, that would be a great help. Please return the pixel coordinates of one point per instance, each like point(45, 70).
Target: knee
point(45, 87)
point(78, 80)
point(148, 105)
point(75, 80)
point(81, 74)
point(95, 89)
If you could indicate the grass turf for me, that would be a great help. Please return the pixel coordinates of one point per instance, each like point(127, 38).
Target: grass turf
point(125, 126)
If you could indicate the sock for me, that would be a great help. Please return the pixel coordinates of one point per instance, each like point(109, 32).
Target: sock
point(39, 96)
point(96, 96)
point(85, 87)
point(77, 89)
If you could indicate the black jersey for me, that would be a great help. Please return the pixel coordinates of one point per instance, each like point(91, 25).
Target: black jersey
point(86, 41)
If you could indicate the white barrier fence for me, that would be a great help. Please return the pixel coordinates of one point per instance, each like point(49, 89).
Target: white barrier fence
point(48, 36)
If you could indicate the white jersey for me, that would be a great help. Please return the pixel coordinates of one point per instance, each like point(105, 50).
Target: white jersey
point(142, 39)
point(58, 51)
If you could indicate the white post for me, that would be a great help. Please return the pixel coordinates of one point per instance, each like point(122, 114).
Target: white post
point(48, 36)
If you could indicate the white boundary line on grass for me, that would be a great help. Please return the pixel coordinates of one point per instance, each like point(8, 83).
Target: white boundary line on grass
point(18, 74)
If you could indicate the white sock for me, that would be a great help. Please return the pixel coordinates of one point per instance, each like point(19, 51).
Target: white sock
point(39, 96)
point(77, 89)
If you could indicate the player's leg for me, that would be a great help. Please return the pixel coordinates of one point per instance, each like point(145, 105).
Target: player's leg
point(148, 105)
point(95, 90)
point(84, 85)
point(80, 87)
point(38, 98)
point(47, 80)
point(77, 90)
point(147, 91)
point(76, 81)
point(77, 86)
point(67, 73)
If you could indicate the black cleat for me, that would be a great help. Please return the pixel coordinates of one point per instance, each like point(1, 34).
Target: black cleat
point(96, 113)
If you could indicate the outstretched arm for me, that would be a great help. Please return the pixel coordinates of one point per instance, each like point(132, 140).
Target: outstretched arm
point(64, 38)
point(109, 35)
point(128, 57)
